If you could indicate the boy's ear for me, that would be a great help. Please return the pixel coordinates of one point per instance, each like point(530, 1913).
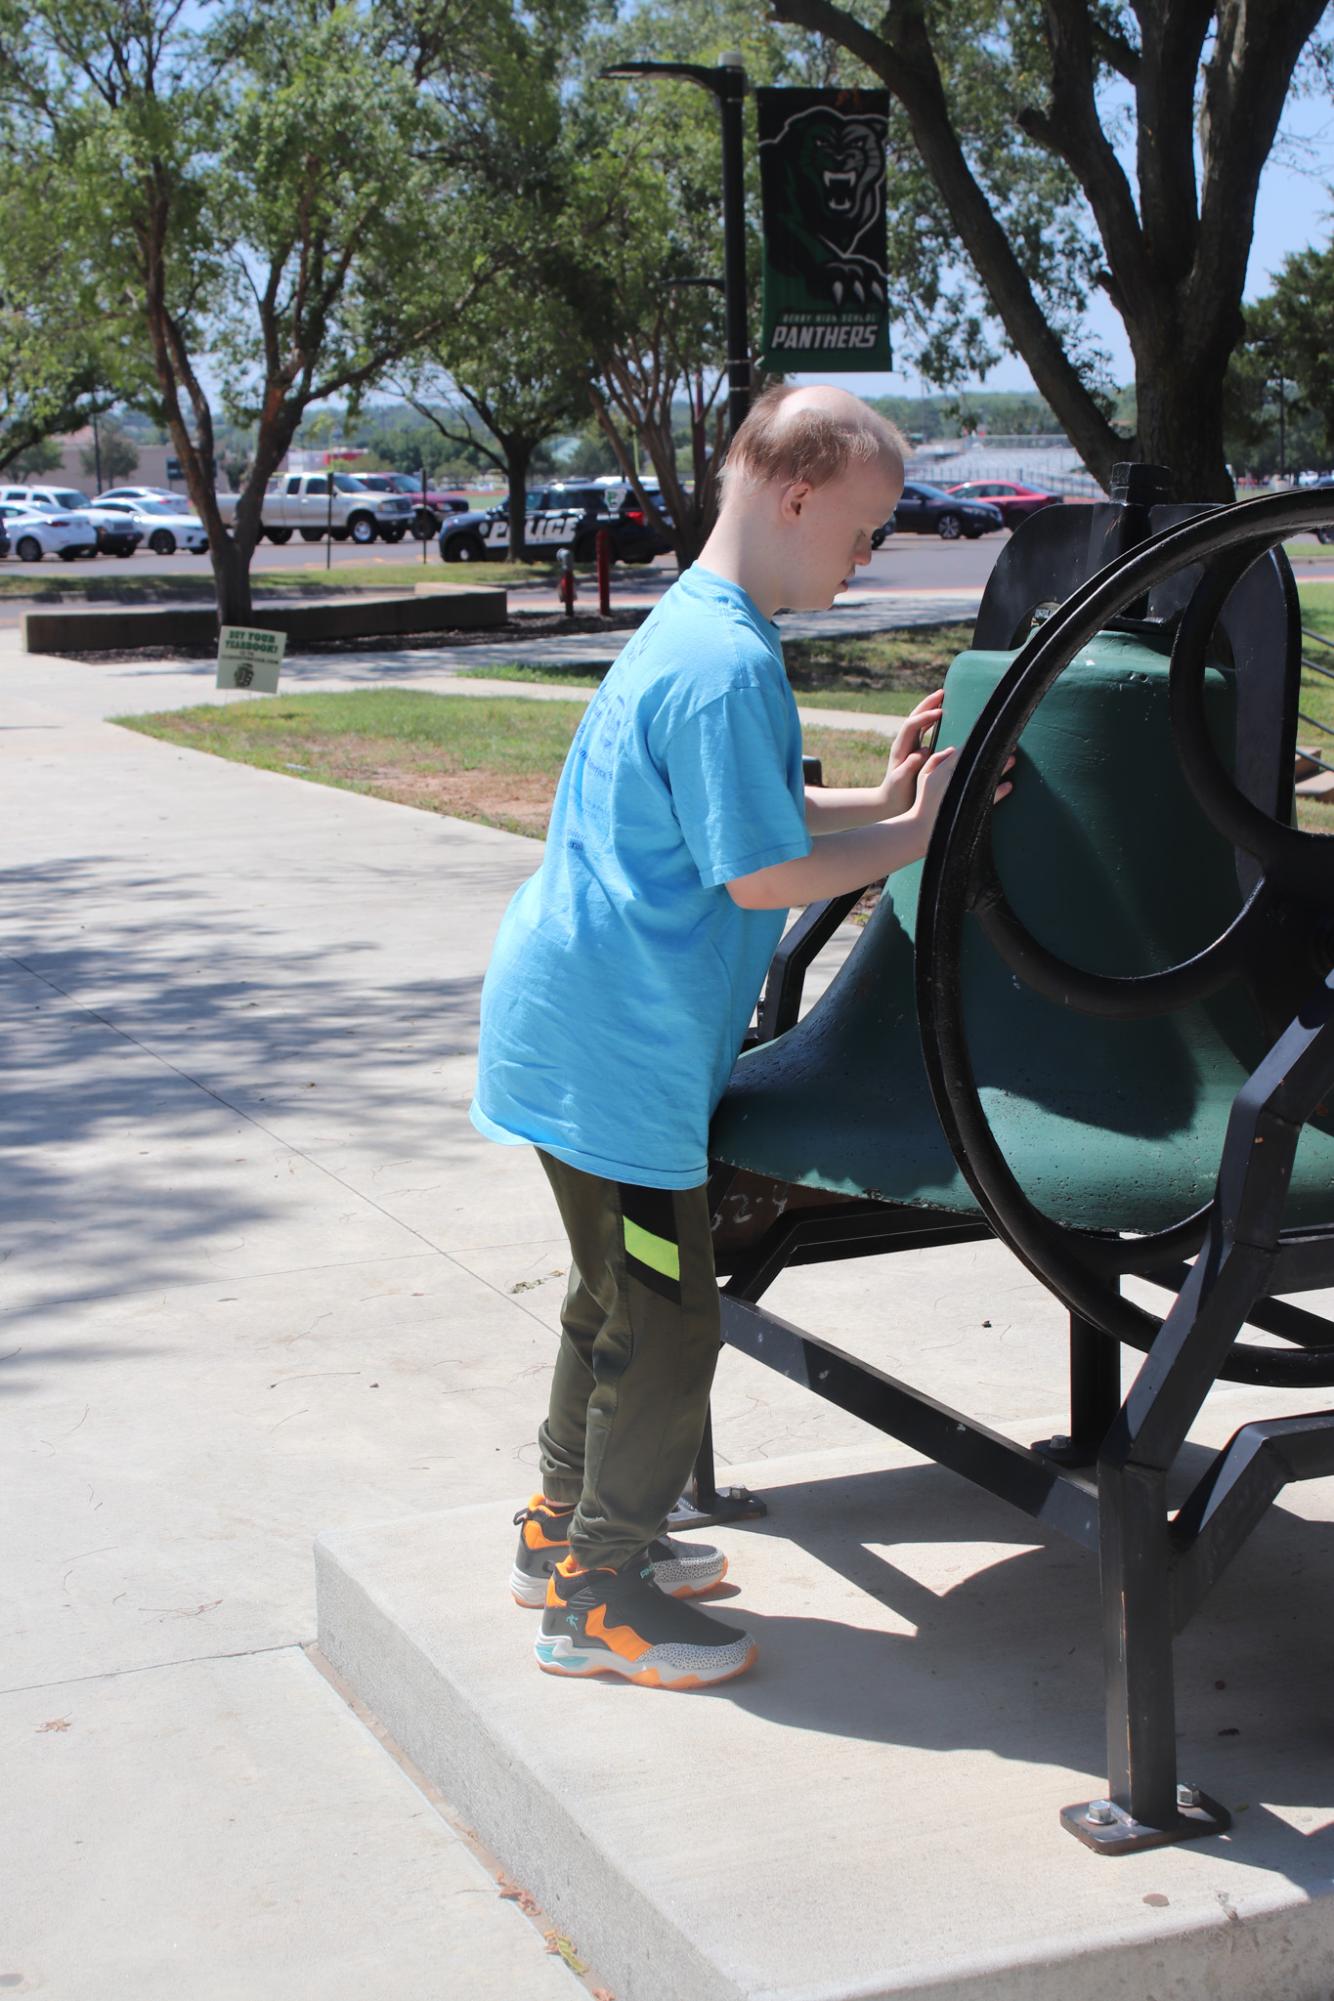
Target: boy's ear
point(794, 499)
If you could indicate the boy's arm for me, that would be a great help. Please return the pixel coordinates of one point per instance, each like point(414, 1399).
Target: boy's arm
point(833, 811)
point(850, 857)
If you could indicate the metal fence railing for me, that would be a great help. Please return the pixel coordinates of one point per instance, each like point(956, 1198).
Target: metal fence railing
point(1326, 673)
point(1072, 483)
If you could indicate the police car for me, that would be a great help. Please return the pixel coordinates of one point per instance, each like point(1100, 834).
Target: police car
point(564, 516)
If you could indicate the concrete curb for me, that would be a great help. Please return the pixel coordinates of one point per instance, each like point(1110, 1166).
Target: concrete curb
point(197, 625)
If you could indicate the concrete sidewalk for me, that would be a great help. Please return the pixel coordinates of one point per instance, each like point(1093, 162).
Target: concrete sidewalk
point(248, 1286)
point(261, 1281)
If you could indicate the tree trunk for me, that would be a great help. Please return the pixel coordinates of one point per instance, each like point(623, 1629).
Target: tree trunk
point(231, 580)
point(688, 540)
point(518, 458)
point(691, 516)
point(1179, 425)
point(231, 549)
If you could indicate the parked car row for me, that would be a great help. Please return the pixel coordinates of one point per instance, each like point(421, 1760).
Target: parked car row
point(564, 516)
point(62, 521)
point(976, 507)
point(361, 507)
point(37, 521)
point(429, 508)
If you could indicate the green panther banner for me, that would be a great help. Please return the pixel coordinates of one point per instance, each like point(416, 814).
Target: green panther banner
point(822, 179)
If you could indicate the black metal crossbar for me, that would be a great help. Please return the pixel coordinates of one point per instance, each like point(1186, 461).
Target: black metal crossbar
point(1062, 1500)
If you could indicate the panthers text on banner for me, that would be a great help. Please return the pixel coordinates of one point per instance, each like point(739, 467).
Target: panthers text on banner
point(822, 179)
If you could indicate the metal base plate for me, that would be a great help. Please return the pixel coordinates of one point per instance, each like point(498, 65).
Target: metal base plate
point(727, 1504)
point(1123, 1835)
point(1065, 1451)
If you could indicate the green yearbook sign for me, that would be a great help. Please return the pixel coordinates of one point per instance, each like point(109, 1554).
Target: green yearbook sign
point(822, 178)
point(250, 656)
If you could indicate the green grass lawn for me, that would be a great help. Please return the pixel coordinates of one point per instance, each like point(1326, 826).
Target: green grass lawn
point(1317, 695)
point(885, 673)
point(494, 761)
point(1317, 698)
point(497, 761)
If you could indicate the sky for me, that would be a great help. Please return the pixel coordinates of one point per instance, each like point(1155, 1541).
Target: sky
point(1294, 210)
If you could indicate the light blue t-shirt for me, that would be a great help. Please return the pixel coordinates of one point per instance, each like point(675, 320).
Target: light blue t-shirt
point(624, 974)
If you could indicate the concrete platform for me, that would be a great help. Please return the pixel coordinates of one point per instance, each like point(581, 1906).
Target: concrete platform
point(450, 608)
point(872, 1812)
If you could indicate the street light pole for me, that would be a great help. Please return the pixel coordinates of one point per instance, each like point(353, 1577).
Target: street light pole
point(727, 83)
point(1270, 347)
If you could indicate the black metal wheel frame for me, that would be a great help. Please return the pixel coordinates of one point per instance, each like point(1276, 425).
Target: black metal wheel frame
point(1106, 1486)
point(1082, 1266)
point(1156, 1567)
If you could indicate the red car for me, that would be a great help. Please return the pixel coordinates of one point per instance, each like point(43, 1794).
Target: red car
point(1015, 502)
point(427, 518)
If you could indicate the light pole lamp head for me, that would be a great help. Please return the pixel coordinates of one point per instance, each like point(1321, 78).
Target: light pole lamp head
point(721, 80)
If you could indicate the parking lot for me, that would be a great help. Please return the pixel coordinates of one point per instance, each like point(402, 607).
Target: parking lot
point(919, 560)
point(905, 562)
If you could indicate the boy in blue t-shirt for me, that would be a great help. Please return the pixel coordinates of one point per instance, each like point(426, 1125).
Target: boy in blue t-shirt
point(622, 982)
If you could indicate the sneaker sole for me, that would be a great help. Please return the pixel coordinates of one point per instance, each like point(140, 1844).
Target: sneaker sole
point(560, 1656)
point(531, 1592)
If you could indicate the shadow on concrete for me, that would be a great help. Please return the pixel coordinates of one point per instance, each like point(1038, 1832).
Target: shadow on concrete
point(20, 1366)
point(1009, 1659)
point(165, 1055)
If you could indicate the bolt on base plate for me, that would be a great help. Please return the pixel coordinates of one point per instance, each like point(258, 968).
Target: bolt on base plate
point(1108, 1828)
point(1065, 1451)
point(727, 1504)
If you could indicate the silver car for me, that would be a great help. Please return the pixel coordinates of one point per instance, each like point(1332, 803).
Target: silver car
point(163, 493)
point(164, 526)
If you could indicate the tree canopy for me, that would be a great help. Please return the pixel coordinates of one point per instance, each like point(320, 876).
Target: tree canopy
point(253, 187)
point(1045, 147)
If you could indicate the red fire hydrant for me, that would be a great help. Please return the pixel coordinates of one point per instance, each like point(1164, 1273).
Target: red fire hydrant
point(566, 587)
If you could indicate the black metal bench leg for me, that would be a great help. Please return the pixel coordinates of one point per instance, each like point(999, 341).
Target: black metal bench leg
point(1095, 1396)
point(1145, 1806)
point(706, 1503)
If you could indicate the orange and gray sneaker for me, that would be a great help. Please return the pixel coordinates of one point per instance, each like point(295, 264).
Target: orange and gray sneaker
point(619, 1622)
point(681, 1569)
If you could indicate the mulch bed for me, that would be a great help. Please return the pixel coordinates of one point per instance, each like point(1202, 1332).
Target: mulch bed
point(523, 626)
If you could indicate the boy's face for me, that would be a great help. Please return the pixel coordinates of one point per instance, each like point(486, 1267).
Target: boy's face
point(830, 528)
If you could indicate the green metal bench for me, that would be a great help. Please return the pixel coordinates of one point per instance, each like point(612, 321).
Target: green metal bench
point(1097, 1024)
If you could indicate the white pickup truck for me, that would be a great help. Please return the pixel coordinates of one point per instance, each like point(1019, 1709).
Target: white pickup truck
point(301, 502)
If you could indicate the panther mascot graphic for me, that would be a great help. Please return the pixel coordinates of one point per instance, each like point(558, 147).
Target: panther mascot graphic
point(829, 169)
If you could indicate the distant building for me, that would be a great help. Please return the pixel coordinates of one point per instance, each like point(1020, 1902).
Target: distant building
point(150, 468)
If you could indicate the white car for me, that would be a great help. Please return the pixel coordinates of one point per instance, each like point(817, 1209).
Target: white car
point(35, 532)
point(64, 499)
point(115, 536)
point(163, 493)
point(164, 526)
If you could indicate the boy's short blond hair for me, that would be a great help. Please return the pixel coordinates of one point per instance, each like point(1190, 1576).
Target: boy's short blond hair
point(818, 440)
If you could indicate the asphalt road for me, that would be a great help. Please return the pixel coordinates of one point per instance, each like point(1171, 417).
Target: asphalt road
point(915, 560)
point(905, 562)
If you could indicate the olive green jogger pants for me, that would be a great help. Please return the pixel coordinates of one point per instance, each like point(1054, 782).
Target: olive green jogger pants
point(639, 1345)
